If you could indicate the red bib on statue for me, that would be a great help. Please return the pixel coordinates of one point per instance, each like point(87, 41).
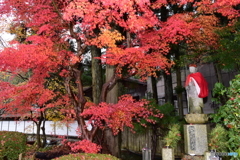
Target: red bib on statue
point(200, 83)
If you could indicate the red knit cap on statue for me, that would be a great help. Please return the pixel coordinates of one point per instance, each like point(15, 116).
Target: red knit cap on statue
point(192, 65)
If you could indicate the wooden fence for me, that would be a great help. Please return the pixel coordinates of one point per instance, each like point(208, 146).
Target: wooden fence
point(136, 142)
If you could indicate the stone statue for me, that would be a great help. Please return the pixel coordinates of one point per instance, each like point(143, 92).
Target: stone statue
point(197, 88)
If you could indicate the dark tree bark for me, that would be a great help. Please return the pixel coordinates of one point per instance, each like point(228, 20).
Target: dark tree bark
point(218, 73)
point(164, 13)
point(179, 89)
point(154, 89)
point(77, 96)
point(179, 93)
point(44, 137)
point(97, 78)
point(168, 87)
point(38, 136)
point(78, 101)
point(41, 120)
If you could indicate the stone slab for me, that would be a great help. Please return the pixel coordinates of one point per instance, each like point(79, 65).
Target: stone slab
point(196, 139)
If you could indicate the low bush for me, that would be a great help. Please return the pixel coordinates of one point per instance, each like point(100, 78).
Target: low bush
point(228, 114)
point(88, 156)
point(12, 144)
point(85, 146)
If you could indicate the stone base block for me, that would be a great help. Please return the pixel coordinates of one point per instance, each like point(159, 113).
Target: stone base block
point(188, 157)
point(167, 154)
point(196, 139)
point(207, 156)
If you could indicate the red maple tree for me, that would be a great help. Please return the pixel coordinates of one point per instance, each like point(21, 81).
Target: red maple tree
point(130, 31)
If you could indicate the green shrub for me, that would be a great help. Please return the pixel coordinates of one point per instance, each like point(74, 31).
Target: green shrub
point(12, 144)
point(88, 156)
point(173, 136)
point(218, 139)
point(228, 115)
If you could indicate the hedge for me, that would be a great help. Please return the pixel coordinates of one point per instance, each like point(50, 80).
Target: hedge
point(88, 156)
point(12, 144)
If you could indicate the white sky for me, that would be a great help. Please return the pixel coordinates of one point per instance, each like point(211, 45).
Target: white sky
point(5, 37)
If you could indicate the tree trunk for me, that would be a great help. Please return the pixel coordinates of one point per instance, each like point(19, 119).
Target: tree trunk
point(112, 94)
point(155, 137)
point(79, 104)
point(218, 73)
point(154, 89)
point(44, 137)
point(97, 78)
point(155, 140)
point(113, 142)
point(179, 92)
point(97, 82)
point(168, 87)
point(179, 89)
point(78, 101)
point(38, 136)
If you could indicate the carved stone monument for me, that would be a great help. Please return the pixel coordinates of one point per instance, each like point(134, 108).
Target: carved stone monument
point(195, 133)
point(195, 139)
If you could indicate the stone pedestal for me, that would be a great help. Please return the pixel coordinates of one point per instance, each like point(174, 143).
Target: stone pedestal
point(210, 156)
point(207, 155)
point(196, 118)
point(168, 154)
point(195, 139)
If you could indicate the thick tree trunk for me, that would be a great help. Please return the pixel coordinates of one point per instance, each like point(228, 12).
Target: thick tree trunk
point(155, 140)
point(179, 92)
point(168, 87)
point(78, 101)
point(38, 136)
point(154, 89)
point(97, 82)
point(179, 89)
point(79, 104)
point(97, 78)
point(112, 94)
point(77, 97)
point(155, 137)
point(113, 142)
